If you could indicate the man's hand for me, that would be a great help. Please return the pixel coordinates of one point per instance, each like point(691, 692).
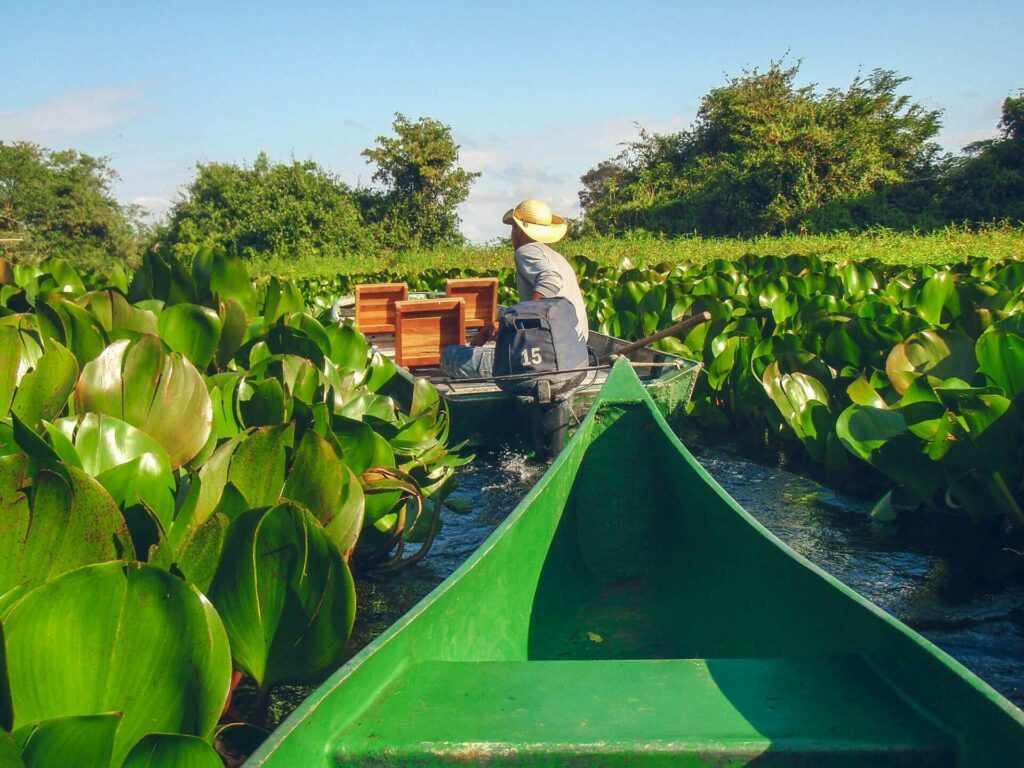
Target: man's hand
point(484, 335)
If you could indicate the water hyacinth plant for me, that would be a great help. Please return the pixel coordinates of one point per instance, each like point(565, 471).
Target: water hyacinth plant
point(188, 463)
point(825, 355)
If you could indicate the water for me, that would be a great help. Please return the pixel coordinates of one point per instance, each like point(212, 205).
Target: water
point(976, 617)
point(974, 613)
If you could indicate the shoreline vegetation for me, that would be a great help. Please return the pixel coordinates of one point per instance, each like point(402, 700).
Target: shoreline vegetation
point(951, 244)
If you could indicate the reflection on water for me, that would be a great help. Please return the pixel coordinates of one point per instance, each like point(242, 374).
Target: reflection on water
point(974, 616)
point(979, 622)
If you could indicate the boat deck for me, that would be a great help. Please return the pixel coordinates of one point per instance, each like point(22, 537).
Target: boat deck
point(814, 711)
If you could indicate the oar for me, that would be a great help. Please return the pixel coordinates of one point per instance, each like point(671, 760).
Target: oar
point(683, 325)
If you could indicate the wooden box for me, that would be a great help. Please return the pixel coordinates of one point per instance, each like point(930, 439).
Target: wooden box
point(426, 327)
point(375, 306)
point(481, 295)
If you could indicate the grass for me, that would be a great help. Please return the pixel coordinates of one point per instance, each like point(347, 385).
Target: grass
point(951, 244)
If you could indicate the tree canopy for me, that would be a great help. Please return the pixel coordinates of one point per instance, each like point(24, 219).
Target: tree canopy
point(987, 182)
point(764, 155)
point(423, 184)
point(298, 209)
point(288, 210)
point(60, 203)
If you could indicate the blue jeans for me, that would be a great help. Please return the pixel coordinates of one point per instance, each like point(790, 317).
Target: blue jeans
point(463, 362)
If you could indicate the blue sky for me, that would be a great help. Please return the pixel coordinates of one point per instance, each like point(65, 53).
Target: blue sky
point(536, 93)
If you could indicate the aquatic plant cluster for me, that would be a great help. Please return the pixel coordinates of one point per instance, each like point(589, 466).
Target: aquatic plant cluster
point(189, 463)
point(915, 370)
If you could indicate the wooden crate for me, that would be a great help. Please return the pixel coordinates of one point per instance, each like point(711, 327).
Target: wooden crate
point(481, 295)
point(426, 327)
point(375, 306)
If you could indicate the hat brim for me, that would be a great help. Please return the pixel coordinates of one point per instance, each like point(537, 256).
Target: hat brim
point(542, 233)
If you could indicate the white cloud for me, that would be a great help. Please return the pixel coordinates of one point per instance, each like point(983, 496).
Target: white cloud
point(957, 141)
point(545, 164)
point(155, 205)
point(72, 114)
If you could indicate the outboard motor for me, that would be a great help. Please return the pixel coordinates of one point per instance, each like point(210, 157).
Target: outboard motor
point(541, 360)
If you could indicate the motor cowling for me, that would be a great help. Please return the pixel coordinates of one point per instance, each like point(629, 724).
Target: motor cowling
point(537, 344)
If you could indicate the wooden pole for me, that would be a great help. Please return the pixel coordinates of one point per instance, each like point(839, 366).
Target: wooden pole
point(689, 322)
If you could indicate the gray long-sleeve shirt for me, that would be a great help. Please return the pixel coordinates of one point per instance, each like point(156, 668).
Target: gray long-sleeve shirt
point(541, 269)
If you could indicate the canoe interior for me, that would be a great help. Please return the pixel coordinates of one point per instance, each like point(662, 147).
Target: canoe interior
point(630, 613)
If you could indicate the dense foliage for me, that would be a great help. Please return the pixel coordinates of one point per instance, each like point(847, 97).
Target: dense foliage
point(988, 181)
point(291, 210)
point(765, 155)
point(62, 203)
point(422, 184)
point(299, 210)
point(189, 462)
point(913, 370)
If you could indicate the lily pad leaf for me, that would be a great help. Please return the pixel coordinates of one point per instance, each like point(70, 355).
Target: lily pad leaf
point(172, 750)
point(192, 330)
point(119, 638)
point(89, 738)
point(160, 393)
point(285, 594)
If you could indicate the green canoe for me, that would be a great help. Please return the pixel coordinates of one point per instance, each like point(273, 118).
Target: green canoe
point(630, 613)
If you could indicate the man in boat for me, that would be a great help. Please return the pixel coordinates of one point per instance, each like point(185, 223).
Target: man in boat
point(541, 273)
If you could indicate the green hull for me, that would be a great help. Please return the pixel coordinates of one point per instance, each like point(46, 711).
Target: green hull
point(630, 613)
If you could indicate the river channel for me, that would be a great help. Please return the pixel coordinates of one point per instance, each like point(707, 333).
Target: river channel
point(978, 619)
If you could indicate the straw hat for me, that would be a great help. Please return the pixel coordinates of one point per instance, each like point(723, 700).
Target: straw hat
point(536, 220)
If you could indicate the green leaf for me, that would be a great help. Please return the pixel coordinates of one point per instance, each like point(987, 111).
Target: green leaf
point(199, 553)
point(234, 326)
point(321, 482)
point(161, 394)
point(81, 333)
point(861, 392)
point(937, 292)
point(44, 391)
point(9, 753)
point(116, 315)
point(130, 464)
point(51, 524)
point(349, 349)
point(282, 298)
point(167, 750)
point(1001, 358)
point(883, 510)
point(939, 354)
point(258, 464)
point(265, 405)
point(864, 429)
point(119, 638)
point(86, 740)
point(6, 710)
point(192, 330)
point(285, 594)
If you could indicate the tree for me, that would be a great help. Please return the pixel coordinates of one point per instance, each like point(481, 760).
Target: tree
point(286, 210)
point(60, 203)
point(987, 181)
point(423, 183)
point(765, 155)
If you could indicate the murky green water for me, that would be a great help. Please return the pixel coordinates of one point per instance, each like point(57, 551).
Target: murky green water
point(975, 616)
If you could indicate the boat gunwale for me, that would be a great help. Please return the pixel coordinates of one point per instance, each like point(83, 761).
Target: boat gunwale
point(620, 389)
